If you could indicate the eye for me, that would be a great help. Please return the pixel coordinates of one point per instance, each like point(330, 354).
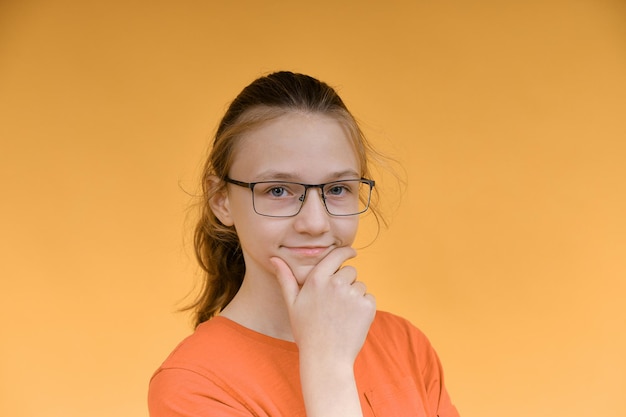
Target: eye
point(337, 190)
point(277, 191)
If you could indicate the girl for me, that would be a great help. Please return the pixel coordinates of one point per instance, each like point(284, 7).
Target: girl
point(282, 327)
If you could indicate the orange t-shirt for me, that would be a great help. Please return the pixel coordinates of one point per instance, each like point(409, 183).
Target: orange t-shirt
point(226, 370)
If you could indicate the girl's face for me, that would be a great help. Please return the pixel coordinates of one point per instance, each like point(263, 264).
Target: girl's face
point(298, 147)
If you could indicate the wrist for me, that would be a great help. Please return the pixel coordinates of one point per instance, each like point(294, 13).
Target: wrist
point(329, 388)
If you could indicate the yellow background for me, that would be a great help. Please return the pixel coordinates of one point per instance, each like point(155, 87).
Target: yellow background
point(508, 247)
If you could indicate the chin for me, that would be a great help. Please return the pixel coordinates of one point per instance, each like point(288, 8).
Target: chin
point(301, 272)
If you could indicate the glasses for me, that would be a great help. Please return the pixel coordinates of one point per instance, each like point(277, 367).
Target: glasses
point(285, 198)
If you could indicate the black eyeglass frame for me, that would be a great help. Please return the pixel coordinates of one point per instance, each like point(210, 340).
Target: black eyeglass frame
point(302, 198)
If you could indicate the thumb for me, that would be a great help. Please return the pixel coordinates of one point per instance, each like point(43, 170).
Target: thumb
point(286, 280)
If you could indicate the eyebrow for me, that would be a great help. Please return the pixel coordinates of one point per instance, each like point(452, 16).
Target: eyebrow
point(287, 176)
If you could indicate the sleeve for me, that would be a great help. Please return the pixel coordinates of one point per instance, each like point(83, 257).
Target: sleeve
point(178, 392)
point(438, 397)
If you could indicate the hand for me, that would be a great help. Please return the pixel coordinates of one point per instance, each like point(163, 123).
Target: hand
point(332, 312)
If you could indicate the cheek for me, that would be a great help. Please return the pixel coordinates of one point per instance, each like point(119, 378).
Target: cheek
point(347, 229)
point(258, 234)
point(254, 232)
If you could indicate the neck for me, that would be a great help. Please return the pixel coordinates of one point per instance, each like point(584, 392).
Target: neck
point(259, 306)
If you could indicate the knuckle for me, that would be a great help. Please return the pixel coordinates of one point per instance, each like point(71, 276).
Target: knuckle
point(349, 269)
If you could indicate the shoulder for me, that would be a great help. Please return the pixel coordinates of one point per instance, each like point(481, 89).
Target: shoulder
point(221, 342)
point(222, 369)
point(396, 329)
point(389, 319)
point(191, 362)
point(397, 340)
point(196, 346)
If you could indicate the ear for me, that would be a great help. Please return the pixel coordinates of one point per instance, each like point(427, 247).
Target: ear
point(219, 203)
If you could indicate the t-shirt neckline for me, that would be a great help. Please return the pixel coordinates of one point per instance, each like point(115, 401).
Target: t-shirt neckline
point(253, 334)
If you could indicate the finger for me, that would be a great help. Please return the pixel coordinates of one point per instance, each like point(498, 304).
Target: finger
point(286, 280)
point(345, 276)
point(371, 299)
point(333, 261)
point(359, 288)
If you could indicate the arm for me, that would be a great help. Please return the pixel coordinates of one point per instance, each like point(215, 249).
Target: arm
point(330, 317)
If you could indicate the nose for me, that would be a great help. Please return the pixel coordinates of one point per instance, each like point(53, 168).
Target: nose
point(313, 217)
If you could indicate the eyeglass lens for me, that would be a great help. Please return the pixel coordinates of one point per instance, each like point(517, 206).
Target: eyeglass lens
point(283, 199)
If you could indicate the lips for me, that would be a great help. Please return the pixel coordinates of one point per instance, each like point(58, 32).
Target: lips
point(308, 251)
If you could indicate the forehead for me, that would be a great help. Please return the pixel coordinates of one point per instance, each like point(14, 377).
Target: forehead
point(302, 146)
